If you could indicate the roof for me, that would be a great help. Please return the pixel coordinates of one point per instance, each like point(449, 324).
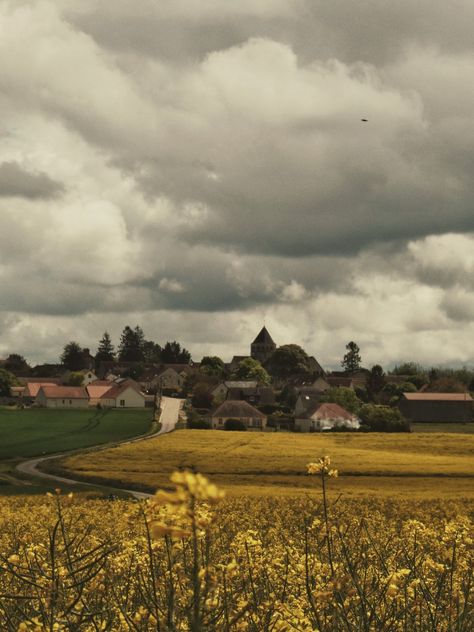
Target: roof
point(98, 390)
point(438, 397)
point(328, 410)
point(263, 338)
point(118, 389)
point(32, 388)
point(339, 381)
point(237, 409)
point(241, 383)
point(64, 392)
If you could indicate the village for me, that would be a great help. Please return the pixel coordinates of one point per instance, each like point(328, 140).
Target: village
point(270, 389)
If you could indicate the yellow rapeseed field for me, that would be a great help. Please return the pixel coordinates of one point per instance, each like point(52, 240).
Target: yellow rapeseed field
point(418, 465)
point(191, 560)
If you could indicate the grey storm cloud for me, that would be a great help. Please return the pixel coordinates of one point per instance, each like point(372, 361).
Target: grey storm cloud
point(192, 161)
point(17, 182)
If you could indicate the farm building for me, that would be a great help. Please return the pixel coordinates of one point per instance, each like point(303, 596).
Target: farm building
point(324, 416)
point(252, 418)
point(437, 407)
point(125, 394)
point(62, 397)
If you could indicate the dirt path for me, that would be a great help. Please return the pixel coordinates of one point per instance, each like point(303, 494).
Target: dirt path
point(170, 409)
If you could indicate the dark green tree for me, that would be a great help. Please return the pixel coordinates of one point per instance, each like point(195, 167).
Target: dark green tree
point(152, 352)
point(75, 378)
point(7, 380)
point(250, 369)
point(383, 418)
point(213, 366)
point(351, 361)
point(131, 345)
point(376, 380)
point(72, 357)
point(16, 363)
point(105, 350)
point(173, 354)
point(288, 360)
point(345, 397)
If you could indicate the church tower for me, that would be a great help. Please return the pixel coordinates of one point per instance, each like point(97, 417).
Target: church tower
point(262, 347)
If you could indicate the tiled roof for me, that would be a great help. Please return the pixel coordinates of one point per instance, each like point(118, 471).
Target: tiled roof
point(328, 410)
point(118, 389)
point(339, 381)
point(438, 397)
point(64, 392)
point(237, 409)
point(241, 383)
point(32, 388)
point(98, 390)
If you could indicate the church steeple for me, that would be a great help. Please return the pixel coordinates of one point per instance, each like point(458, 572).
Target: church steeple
point(263, 346)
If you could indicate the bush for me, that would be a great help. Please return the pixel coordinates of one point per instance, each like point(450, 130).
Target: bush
point(383, 419)
point(234, 424)
point(198, 424)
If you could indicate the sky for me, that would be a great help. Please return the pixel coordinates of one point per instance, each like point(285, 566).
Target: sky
point(200, 168)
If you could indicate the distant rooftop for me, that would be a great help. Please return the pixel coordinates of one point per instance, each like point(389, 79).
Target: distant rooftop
point(263, 338)
point(438, 397)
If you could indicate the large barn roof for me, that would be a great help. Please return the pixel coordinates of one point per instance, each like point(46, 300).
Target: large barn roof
point(438, 397)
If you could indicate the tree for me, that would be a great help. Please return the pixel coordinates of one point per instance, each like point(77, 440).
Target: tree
point(173, 354)
point(75, 378)
point(343, 396)
point(16, 363)
point(376, 380)
point(202, 397)
point(383, 419)
point(213, 366)
point(351, 361)
point(250, 369)
point(152, 352)
point(72, 357)
point(446, 385)
point(131, 344)
point(7, 380)
point(288, 360)
point(105, 350)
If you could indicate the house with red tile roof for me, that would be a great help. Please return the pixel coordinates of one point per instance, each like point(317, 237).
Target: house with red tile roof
point(325, 416)
point(123, 394)
point(55, 396)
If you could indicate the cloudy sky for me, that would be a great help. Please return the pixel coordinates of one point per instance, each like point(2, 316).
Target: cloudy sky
point(200, 166)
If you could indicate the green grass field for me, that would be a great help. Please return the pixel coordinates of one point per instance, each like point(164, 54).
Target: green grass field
point(423, 465)
point(36, 431)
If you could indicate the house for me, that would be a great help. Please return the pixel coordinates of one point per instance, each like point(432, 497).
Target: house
point(96, 390)
point(33, 385)
point(124, 394)
point(257, 395)
point(437, 407)
point(170, 376)
point(54, 396)
point(325, 416)
point(307, 398)
point(335, 381)
point(88, 376)
point(220, 391)
point(252, 418)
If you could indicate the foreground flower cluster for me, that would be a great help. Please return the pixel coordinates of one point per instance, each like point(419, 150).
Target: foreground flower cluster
point(190, 560)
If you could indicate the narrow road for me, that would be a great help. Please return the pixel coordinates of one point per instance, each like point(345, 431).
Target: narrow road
point(170, 408)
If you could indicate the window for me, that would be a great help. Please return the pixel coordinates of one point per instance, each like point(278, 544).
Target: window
point(70, 402)
point(64, 401)
point(122, 402)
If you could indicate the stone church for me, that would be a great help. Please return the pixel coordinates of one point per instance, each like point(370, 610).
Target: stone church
point(263, 346)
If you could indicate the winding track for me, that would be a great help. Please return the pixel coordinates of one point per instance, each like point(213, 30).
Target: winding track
point(170, 407)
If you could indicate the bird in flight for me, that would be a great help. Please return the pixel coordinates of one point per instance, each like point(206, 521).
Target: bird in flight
point(364, 120)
